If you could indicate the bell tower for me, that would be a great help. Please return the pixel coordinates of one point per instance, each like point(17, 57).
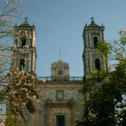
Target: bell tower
point(24, 51)
point(91, 35)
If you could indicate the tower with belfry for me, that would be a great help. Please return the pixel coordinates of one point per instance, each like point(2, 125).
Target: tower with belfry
point(91, 35)
point(23, 57)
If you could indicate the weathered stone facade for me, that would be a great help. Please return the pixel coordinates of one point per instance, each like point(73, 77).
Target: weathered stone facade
point(60, 95)
point(58, 98)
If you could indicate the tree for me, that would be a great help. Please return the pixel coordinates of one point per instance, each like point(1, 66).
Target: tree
point(9, 12)
point(105, 105)
point(22, 91)
point(19, 88)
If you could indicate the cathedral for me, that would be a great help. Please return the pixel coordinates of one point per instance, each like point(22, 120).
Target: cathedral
point(60, 96)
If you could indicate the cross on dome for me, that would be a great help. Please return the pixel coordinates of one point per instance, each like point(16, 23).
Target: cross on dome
point(25, 18)
point(92, 18)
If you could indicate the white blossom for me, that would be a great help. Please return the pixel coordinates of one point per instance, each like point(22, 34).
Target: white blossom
point(22, 15)
point(44, 80)
point(17, 9)
point(6, 2)
point(13, 6)
point(21, 1)
point(10, 5)
point(23, 9)
point(1, 19)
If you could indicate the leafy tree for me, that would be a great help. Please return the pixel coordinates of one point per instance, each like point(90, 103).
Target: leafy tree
point(21, 91)
point(105, 89)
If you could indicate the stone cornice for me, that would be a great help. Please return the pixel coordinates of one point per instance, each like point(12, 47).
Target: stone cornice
point(60, 82)
point(59, 103)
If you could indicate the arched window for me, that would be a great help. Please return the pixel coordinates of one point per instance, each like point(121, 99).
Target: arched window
point(95, 41)
point(23, 41)
point(97, 64)
point(22, 65)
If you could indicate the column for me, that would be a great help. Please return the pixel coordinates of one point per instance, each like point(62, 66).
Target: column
point(33, 61)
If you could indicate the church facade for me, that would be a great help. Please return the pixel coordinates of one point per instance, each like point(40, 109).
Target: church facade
point(60, 96)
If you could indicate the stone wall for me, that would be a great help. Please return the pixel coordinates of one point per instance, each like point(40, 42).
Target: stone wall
point(58, 99)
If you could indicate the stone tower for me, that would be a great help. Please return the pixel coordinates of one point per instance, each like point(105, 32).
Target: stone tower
point(24, 55)
point(91, 35)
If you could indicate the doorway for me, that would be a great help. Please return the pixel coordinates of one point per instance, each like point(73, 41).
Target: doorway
point(60, 120)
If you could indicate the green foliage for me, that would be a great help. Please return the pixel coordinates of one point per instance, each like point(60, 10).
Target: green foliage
point(15, 27)
point(19, 56)
point(13, 120)
point(104, 105)
point(2, 94)
point(103, 48)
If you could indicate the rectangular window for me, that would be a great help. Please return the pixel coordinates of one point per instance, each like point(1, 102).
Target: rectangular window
point(60, 120)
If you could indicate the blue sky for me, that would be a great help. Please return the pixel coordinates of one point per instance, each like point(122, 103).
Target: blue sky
point(61, 22)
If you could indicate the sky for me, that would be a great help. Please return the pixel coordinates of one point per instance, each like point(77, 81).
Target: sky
point(61, 23)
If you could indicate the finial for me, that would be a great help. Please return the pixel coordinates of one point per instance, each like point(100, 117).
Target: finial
point(25, 18)
point(60, 52)
point(102, 24)
point(33, 24)
point(85, 24)
point(92, 18)
point(15, 24)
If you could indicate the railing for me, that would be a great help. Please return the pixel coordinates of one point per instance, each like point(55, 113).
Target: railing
point(53, 79)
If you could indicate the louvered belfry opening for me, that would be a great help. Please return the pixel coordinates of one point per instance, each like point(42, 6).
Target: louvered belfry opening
point(22, 64)
point(95, 41)
point(97, 64)
point(23, 41)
